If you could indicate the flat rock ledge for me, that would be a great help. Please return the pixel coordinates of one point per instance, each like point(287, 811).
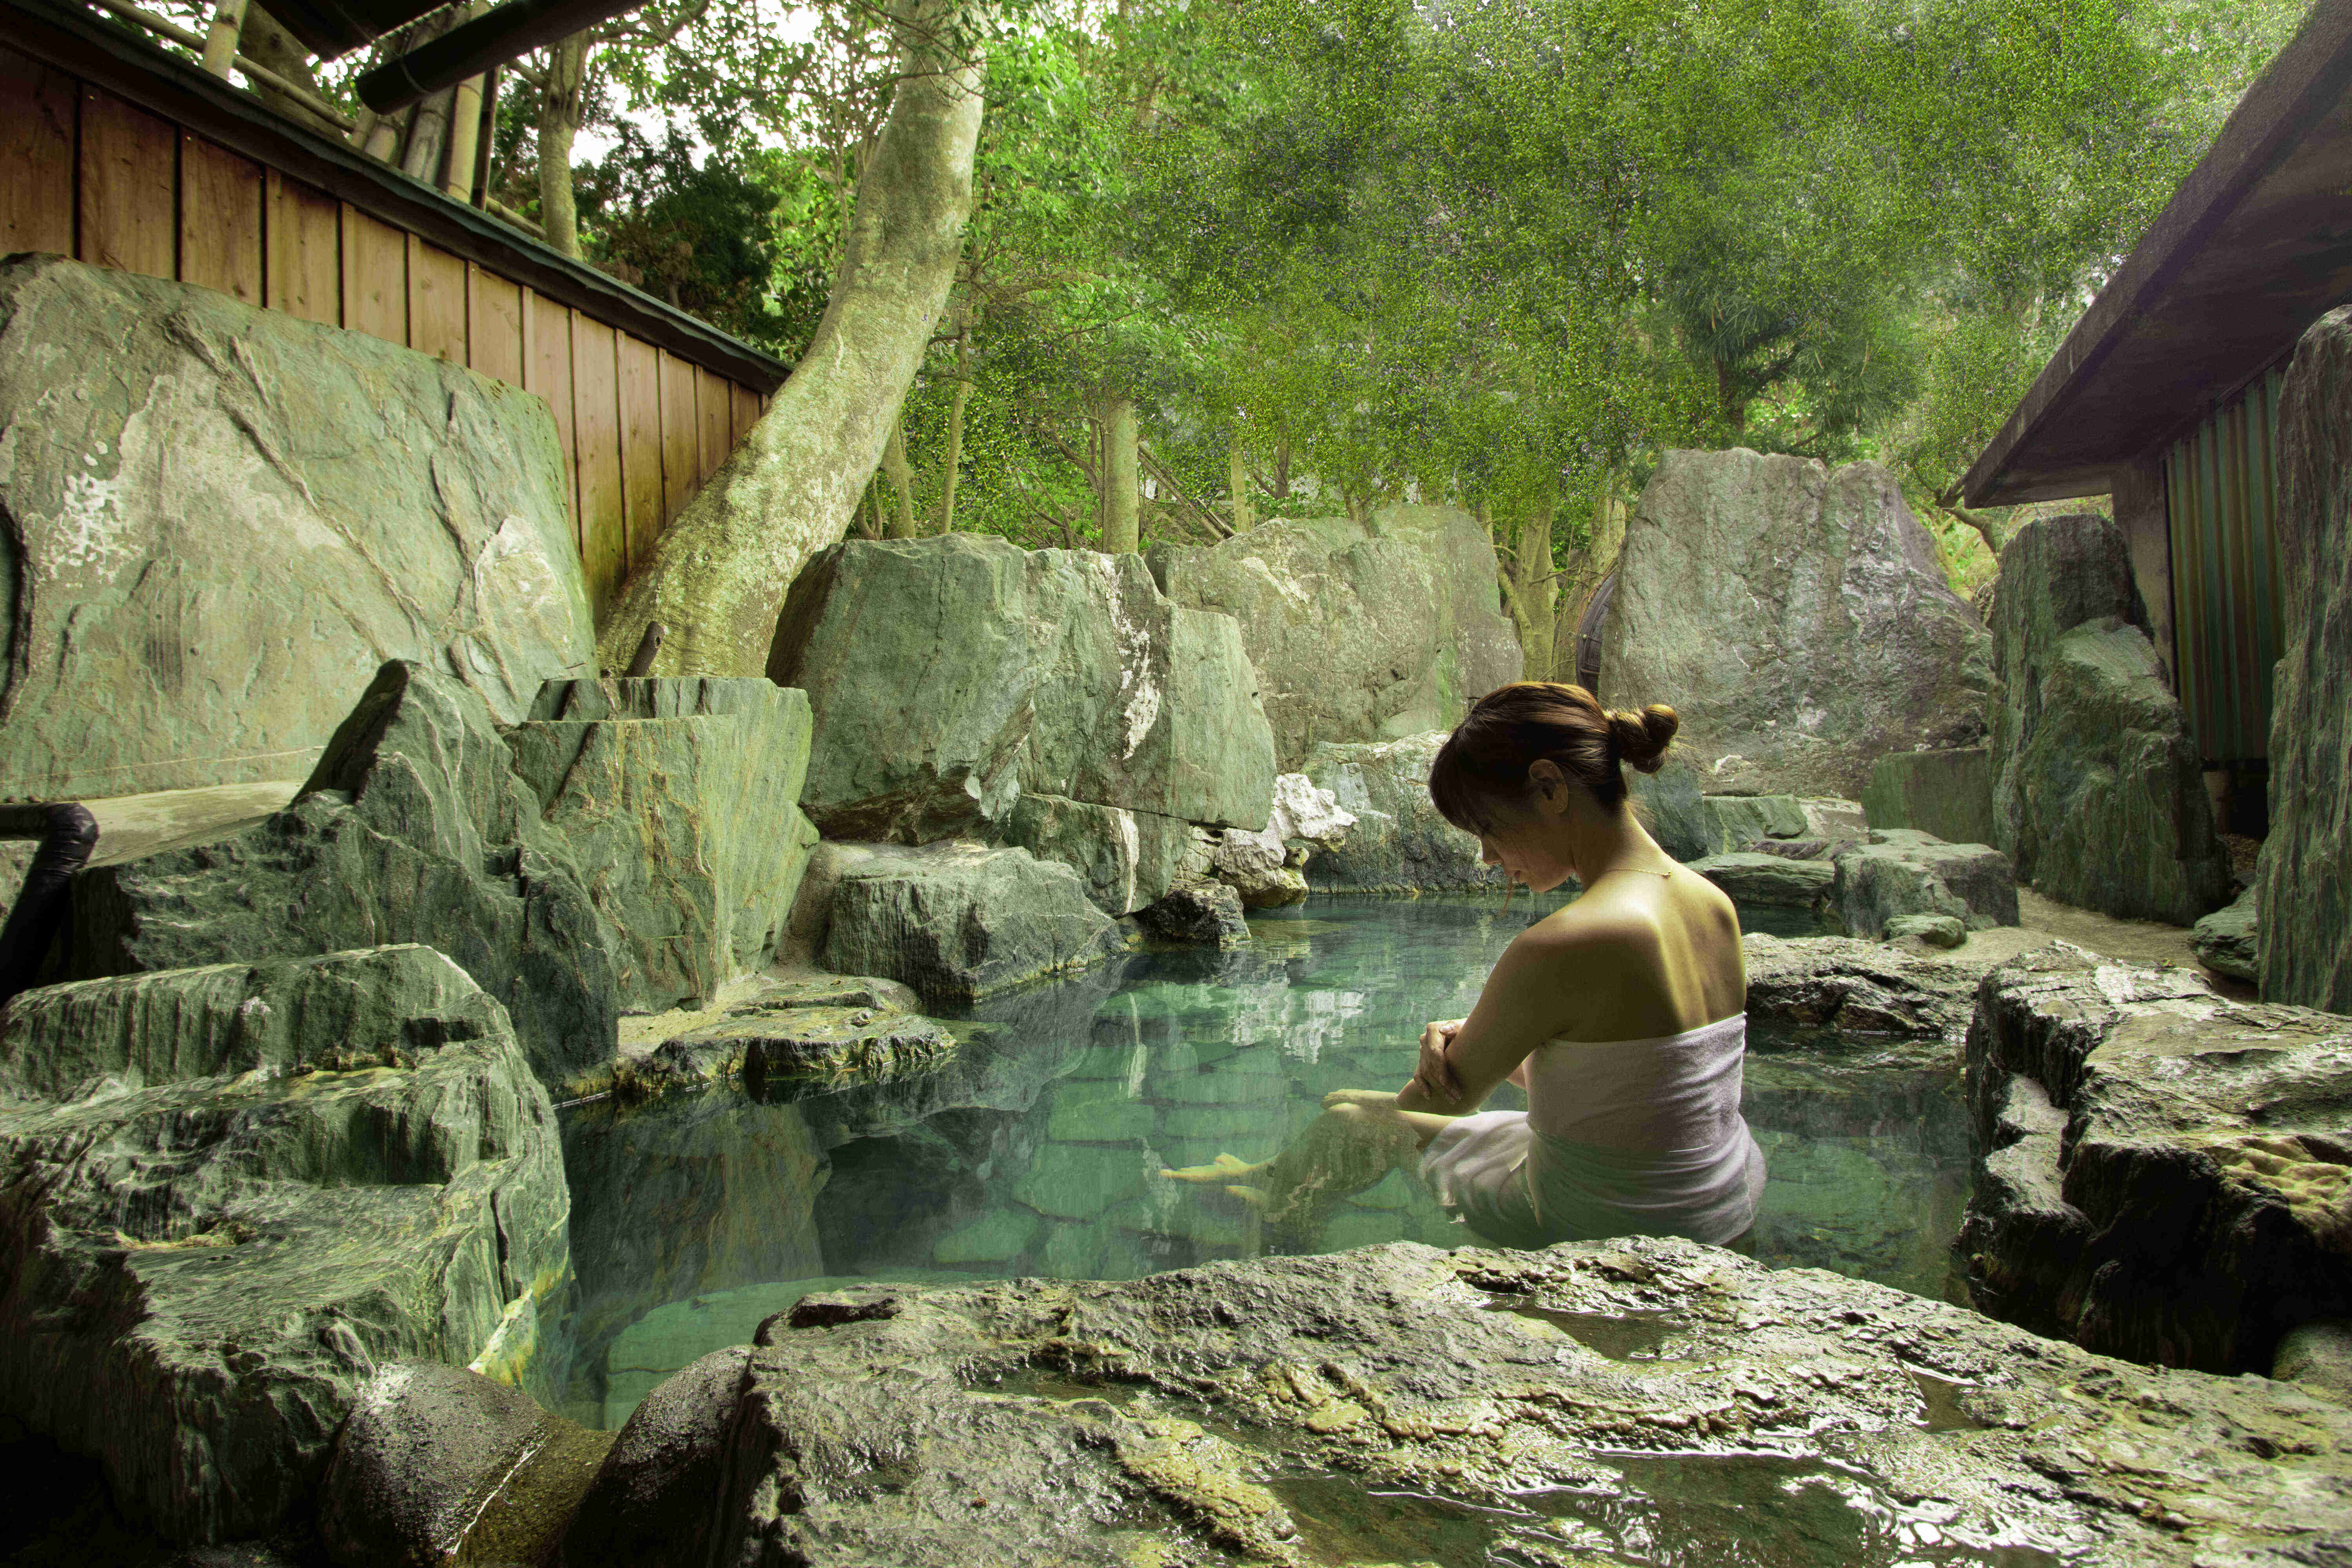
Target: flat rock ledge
point(2162, 1173)
point(780, 1041)
point(1579, 1406)
point(1842, 996)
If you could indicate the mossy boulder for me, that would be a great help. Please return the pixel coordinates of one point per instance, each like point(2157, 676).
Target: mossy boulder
point(959, 920)
point(2097, 794)
point(1358, 631)
point(2162, 1173)
point(632, 850)
point(229, 1193)
point(1377, 1405)
point(1902, 871)
point(217, 521)
point(2304, 905)
point(1947, 792)
point(677, 800)
point(1054, 673)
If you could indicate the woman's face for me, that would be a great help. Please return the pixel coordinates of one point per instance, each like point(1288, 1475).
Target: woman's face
point(1528, 843)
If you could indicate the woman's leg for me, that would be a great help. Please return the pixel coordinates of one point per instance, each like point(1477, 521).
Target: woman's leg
point(1353, 1144)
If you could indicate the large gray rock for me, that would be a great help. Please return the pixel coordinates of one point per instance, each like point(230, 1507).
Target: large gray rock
point(634, 853)
point(2226, 940)
point(414, 827)
point(958, 920)
point(778, 1045)
point(1357, 631)
point(267, 1180)
point(1946, 793)
point(216, 523)
point(1207, 913)
point(2304, 899)
point(1398, 842)
point(1127, 858)
point(1828, 991)
point(1774, 893)
point(1691, 825)
point(439, 1464)
point(2161, 1173)
point(1402, 1404)
point(916, 657)
point(677, 801)
point(1796, 617)
point(1902, 871)
point(949, 676)
point(2097, 795)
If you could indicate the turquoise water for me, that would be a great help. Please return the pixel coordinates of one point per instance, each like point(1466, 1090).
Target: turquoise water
point(1038, 1150)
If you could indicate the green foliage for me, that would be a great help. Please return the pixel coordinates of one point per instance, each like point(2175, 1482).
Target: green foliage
point(1498, 251)
point(700, 237)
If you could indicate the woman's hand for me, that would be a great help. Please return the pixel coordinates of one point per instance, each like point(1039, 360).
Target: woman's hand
point(1434, 1075)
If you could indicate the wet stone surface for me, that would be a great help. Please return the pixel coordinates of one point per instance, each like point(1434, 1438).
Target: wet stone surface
point(1402, 1405)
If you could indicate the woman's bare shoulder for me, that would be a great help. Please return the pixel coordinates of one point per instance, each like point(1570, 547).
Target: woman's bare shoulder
point(1592, 925)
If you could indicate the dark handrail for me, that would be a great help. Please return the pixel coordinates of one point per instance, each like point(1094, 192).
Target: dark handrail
point(68, 834)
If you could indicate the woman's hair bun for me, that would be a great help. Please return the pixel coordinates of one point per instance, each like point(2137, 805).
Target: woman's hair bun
point(1641, 738)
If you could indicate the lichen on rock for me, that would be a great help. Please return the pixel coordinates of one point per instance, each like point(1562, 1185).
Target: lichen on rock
point(1285, 1411)
point(2162, 1172)
point(214, 1236)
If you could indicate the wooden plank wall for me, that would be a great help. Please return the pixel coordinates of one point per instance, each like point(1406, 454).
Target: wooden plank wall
point(85, 175)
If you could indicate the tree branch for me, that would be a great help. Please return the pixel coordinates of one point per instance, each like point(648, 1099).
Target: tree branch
point(1160, 471)
point(1989, 526)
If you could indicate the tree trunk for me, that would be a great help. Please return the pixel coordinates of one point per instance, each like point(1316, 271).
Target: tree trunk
point(560, 110)
point(269, 45)
point(902, 481)
point(1729, 399)
point(1121, 527)
point(1990, 527)
point(952, 460)
point(1532, 592)
point(1588, 567)
point(719, 572)
point(1237, 481)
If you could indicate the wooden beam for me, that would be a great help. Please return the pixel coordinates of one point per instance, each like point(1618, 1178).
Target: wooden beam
point(2120, 385)
point(69, 40)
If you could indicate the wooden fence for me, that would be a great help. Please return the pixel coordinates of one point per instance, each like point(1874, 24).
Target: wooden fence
point(118, 155)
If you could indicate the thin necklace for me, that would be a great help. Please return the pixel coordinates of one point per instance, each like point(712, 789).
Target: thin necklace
point(1637, 870)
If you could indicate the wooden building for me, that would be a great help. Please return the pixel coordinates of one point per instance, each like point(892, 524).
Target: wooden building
point(2165, 393)
point(117, 153)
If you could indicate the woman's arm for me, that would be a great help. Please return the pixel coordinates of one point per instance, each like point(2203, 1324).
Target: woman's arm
point(1527, 1000)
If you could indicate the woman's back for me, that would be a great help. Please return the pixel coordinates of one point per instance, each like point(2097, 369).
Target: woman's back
point(1645, 954)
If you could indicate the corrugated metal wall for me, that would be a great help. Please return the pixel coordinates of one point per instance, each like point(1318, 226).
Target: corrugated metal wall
point(2221, 492)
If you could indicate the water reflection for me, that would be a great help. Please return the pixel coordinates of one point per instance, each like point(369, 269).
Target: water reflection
point(1038, 1150)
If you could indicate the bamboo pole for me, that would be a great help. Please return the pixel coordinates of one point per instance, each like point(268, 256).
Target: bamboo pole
point(465, 135)
point(221, 37)
point(253, 68)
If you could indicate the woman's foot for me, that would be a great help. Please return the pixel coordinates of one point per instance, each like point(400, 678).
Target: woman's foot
point(1224, 1168)
point(1370, 1099)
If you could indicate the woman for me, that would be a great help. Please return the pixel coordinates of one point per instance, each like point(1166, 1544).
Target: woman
point(1622, 1014)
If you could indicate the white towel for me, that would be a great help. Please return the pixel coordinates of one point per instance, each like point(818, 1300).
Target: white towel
point(1659, 1145)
